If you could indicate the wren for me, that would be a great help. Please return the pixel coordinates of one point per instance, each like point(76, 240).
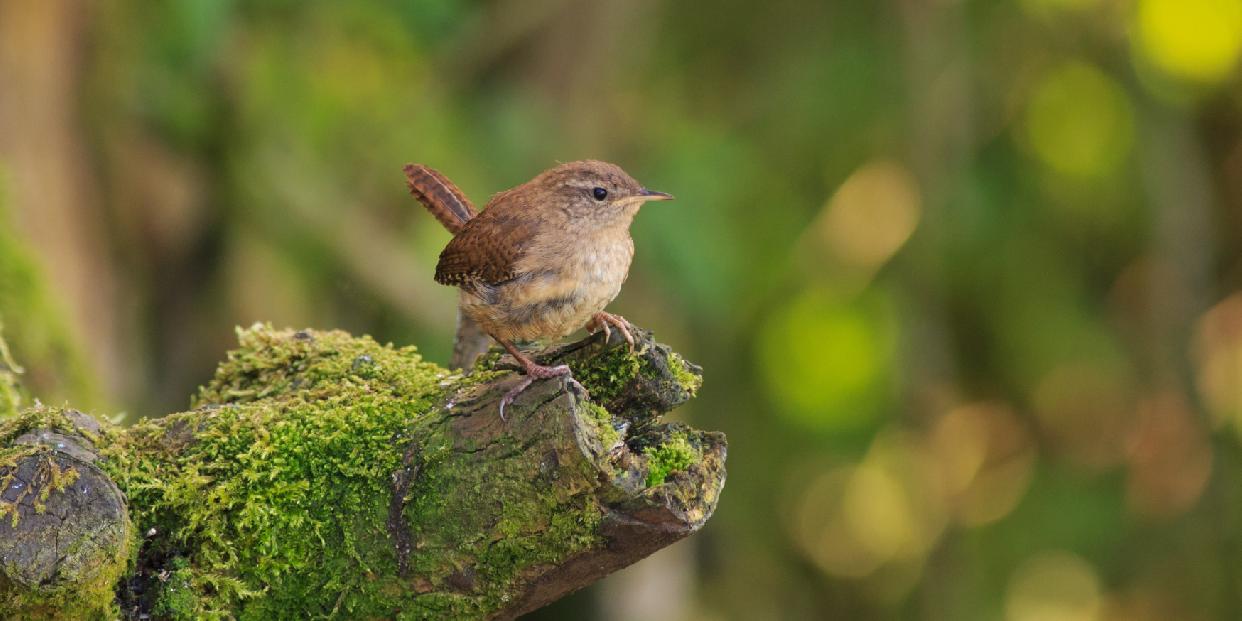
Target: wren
point(542, 259)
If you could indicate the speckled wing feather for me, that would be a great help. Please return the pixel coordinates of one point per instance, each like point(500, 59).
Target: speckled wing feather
point(488, 247)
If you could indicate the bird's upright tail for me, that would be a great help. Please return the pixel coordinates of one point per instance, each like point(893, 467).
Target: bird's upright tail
point(451, 207)
point(443, 199)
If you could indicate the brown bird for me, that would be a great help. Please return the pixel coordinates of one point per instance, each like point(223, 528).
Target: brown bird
point(543, 259)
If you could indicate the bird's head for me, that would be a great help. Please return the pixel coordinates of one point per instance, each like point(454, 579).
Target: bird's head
point(596, 191)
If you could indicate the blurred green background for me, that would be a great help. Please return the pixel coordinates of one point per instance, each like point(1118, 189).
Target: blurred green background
point(965, 276)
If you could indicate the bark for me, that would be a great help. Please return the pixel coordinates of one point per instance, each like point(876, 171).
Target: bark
point(322, 475)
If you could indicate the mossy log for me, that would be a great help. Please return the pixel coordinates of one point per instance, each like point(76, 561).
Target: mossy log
point(325, 476)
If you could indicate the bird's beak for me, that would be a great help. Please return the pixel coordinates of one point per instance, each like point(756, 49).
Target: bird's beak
point(652, 195)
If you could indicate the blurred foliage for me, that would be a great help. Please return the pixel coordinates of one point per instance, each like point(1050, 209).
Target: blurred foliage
point(33, 331)
point(965, 276)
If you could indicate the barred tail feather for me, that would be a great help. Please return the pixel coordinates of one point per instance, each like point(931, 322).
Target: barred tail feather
point(443, 199)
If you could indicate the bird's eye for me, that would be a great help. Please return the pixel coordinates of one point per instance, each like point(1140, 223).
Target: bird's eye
point(599, 194)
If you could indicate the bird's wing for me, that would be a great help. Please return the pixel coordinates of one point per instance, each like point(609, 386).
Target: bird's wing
point(487, 249)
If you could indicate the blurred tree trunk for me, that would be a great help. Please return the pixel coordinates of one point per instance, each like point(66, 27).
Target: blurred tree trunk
point(941, 119)
point(45, 169)
point(1178, 183)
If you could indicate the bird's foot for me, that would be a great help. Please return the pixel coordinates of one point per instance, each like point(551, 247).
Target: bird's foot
point(533, 372)
point(602, 320)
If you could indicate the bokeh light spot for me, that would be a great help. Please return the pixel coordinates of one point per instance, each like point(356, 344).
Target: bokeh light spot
point(824, 359)
point(1170, 458)
point(1197, 40)
point(908, 517)
point(1218, 360)
point(1086, 408)
point(878, 512)
point(986, 458)
point(886, 512)
point(1079, 121)
point(1054, 586)
point(871, 215)
point(821, 533)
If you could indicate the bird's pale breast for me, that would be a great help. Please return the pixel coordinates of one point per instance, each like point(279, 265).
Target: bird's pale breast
point(561, 296)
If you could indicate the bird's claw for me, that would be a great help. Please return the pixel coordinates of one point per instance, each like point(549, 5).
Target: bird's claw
point(507, 400)
point(533, 373)
point(601, 321)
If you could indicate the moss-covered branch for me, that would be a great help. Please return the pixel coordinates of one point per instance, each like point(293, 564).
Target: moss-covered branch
point(326, 476)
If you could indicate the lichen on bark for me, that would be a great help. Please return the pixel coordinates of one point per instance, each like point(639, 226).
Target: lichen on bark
point(322, 475)
point(65, 538)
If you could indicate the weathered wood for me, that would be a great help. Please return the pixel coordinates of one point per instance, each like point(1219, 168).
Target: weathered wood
point(322, 474)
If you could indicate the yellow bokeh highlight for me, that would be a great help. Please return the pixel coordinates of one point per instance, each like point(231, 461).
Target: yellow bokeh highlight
point(877, 511)
point(1079, 121)
point(823, 535)
point(1197, 40)
point(904, 522)
point(1217, 356)
point(886, 511)
point(986, 458)
point(871, 215)
point(1054, 586)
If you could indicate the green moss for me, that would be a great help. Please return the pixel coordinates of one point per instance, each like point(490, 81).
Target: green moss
point(92, 601)
point(92, 595)
point(691, 382)
point(607, 375)
point(9, 457)
point(178, 598)
point(41, 417)
point(271, 364)
point(56, 481)
point(608, 435)
point(675, 455)
point(273, 485)
point(52, 478)
point(274, 498)
point(487, 361)
point(279, 489)
point(604, 375)
point(503, 523)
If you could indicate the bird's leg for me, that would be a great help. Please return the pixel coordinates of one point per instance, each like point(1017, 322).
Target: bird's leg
point(602, 319)
point(533, 371)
